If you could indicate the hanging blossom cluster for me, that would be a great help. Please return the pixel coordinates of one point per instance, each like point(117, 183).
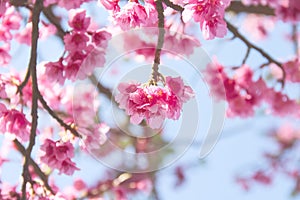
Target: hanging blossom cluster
point(243, 93)
point(286, 10)
point(58, 156)
point(85, 49)
point(210, 14)
point(154, 103)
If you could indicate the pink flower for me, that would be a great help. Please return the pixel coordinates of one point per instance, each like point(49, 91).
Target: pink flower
point(153, 103)
point(11, 19)
point(257, 26)
point(215, 26)
point(72, 69)
point(14, 122)
point(131, 15)
point(292, 70)
point(58, 155)
point(24, 37)
point(78, 20)
point(76, 41)
point(46, 30)
point(54, 71)
point(94, 137)
point(4, 55)
point(111, 5)
point(209, 14)
point(100, 38)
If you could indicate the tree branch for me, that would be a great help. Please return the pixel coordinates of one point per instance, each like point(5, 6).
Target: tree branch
point(48, 12)
point(59, 120)
point(34, 108)
point(100, 87)
point(239, 7)
point(174, 6)
point(160, 41)
point(35, 166)
point(250, 45)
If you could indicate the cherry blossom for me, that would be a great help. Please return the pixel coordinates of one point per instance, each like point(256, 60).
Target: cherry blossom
point(153, 103)
point(58, 156)
point(14, 122)
point(131, 15)
point(209, 14)
point(78, 20)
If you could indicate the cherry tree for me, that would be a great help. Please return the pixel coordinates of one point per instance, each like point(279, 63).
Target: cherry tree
point(57, 87)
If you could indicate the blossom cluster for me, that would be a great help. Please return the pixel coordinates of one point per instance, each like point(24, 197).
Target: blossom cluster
point(133, 14)
point(243, 93)
point(85, 49)
point(15, 123)
point(153, 103)
point(210, 14)
point(58, 156)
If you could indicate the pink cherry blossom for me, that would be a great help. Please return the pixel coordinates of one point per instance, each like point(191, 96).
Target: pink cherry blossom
point(54, 71)
point(11, 19)
point(24, 36)
point(292, 70)
point(209, 14)
point(4, 55)
point(257, 26)
point(78, 20)
point(153, 103)
point(100, 38)
point(130, 16)
point(58, 155)
point(111, 5)
point(14, 122)
point(94, 137)
point(76, 41)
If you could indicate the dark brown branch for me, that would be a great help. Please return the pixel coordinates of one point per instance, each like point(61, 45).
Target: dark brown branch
point(250, 45)
point(246, 56)
point(174, 6)
point(25, 81)
point(239, 7)
point(48, 12)
point(53, 114)
point(100, 87)
point(34, 107)
point(35, 166)
point(160, 41)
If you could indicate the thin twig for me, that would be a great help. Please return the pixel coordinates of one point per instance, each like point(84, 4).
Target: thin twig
point(246, 56)
point(100, 87)
point(53, 114)
point(48, 12)
point(253, 46)
point(25, 81)
point(35, 166)
point(174, 6)
point(34, 108)
point(160, 41)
